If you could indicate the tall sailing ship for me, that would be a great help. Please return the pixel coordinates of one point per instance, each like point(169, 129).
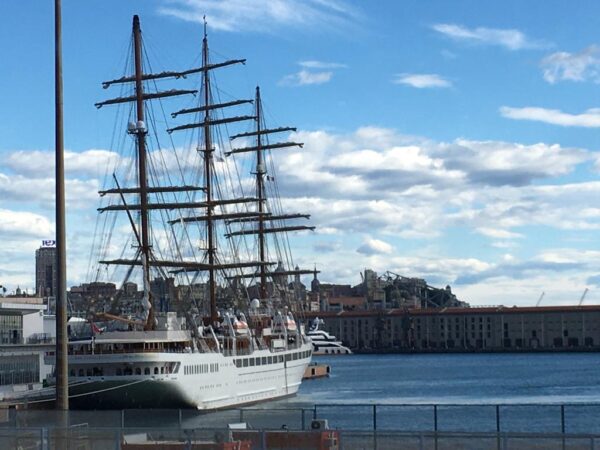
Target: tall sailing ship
point(220, 353)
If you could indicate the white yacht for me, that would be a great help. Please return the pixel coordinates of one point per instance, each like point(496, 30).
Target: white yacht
point(323, 343)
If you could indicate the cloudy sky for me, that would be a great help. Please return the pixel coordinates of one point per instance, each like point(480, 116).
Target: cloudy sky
point(454, 141)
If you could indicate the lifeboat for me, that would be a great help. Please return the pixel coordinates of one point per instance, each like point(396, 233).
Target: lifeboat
point(290, 323)
point(240, 325)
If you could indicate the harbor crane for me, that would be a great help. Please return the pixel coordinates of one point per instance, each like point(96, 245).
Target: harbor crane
point(583, 296)
point(540, 299)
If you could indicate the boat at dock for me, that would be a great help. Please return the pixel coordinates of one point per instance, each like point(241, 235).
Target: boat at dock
point(225, 348)
point(323, 343)
point(315, 370)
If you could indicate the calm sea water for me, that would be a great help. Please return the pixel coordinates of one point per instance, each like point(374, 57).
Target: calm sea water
point(457, 378)
point(530, 388)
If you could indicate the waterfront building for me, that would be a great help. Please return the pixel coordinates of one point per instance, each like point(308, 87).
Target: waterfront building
point(26, 334)
point(551, 328)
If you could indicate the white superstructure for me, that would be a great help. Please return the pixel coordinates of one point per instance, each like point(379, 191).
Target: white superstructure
point(323, 343)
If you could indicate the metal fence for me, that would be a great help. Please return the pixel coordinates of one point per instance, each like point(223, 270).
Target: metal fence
point(461, 418)
point(360, 426)
point(510, 418)
point(87, 438)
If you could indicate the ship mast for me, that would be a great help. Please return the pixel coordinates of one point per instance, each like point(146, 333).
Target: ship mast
point(142, 172)
point(146, 257)
point(260, 187)
point(263, 214)
point(208, 158)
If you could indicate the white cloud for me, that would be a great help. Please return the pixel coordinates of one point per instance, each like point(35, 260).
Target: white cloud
point(508, 38)
point(22, 189)
point(424, 80)
point(312, 72)
point(92, 163)
point(582, 66)
point(23, 223)
point(390, 189)
point(497, 233)
point(588, 119)
point(374, 247)
point(321, 65)
point(305, 77)
point(264, 15)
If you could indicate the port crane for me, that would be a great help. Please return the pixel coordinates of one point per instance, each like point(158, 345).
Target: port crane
point(540, 299)
point(583, 296)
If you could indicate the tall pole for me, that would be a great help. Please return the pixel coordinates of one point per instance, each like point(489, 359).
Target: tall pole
point(260, 194)
point(141, 144)
point(211, 250)
point(62, 381)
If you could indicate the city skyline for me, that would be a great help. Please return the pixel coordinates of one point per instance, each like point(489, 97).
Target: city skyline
point(451, 142)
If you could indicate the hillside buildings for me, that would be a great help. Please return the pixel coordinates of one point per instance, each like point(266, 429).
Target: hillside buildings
point(380, 292)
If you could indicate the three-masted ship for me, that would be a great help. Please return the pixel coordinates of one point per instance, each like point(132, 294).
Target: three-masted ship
point(214, 356)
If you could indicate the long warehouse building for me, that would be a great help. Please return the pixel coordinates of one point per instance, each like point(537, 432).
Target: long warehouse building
point(549, 328)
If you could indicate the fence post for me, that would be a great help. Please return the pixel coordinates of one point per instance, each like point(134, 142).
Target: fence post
point(303, 420)
point(180, 419)
point(315, 412)
point(241, 415)
point(118, 440)
point(375, 417)
point(122, 418)
point(498, 427)
point(263, 440)
point(562, 426)
point(44, 439)
point(375, 426)
point(435, 426)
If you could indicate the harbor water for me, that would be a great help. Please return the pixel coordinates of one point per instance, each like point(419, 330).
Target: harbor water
point(483, 378)
point(524, 393)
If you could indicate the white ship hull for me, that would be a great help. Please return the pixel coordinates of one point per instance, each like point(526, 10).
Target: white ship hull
point(204, 381)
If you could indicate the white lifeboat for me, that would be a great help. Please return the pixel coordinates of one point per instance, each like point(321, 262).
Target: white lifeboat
point(240, 326)
point(290, 323)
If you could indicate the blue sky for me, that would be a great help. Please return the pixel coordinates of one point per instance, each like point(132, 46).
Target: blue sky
point(455, 141)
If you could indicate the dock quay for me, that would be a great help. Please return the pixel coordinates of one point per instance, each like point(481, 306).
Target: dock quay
point(316, 370)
